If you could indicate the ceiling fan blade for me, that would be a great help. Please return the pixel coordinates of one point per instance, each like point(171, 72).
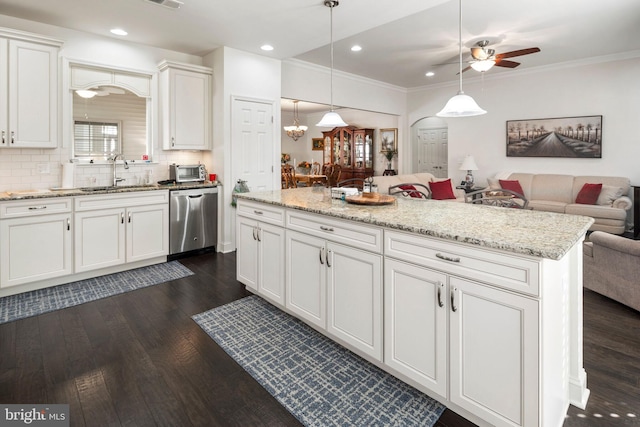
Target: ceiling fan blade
point(464, 69)
point(507, 64)
point(520, 52)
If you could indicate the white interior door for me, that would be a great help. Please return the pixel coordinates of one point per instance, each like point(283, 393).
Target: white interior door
point(252, 144)
point(432, 153)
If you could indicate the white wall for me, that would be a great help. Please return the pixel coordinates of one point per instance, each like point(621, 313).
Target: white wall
point(238, 74)
point(610, 89)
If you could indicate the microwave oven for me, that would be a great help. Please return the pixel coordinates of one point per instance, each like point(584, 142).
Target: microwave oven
point(187, 173)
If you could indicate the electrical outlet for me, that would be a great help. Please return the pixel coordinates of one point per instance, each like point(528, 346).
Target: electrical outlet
point(44, 168)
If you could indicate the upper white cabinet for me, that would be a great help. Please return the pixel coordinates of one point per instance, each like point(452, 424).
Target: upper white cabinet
point(185, 106)
point(28, 90)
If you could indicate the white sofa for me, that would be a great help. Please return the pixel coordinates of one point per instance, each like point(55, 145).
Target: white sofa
point(557, 193)
point(424, 178)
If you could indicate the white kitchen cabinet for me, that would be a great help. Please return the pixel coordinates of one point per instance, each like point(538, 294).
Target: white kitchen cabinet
point(36, 240)
point(261, 247)
point(29, 94)
point(334, 285)
point(122, 228)
point(415, 323)
point(494, 353)
point(185, 104)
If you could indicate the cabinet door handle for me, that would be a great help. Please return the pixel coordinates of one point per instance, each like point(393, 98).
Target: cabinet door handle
point(258, 234)
point(68, 224)
point(323, 228)
point(3, 132)
point(440, 287)
point(258, 212)
point(37, 208)
point(327, 257)
point(13, 134)
point(129, 218)
point(254, 233)
point(121, 217)
point(173, 141)
point(447, 258)
point(321, 253)
point(453, 300)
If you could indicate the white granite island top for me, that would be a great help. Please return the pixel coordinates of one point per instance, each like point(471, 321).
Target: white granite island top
point(536, 233)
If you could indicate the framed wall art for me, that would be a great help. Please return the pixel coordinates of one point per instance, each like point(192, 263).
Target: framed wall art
point(388, 140)
point(579, 137)
point(317, 144)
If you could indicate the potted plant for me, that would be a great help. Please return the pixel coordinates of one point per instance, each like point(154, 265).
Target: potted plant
point(390, 155)
point(284, 158)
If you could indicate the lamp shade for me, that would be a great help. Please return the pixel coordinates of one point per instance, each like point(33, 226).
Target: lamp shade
point(461, 105)
point(484, 65)
point(330, 120)
point(86, 93)
point(468, 164)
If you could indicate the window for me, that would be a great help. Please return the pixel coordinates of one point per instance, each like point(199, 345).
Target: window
point(94, 139)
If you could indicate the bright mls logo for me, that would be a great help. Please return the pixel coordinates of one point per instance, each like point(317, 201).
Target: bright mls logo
point(34, 415)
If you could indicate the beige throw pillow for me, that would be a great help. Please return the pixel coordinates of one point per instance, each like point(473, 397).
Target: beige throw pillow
point(609, 194)
point(494, 184)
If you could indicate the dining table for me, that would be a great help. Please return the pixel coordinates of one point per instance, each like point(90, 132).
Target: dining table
point(310, 179)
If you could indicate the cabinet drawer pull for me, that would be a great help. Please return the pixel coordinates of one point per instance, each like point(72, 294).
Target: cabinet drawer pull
point(258, 212)
point(440, 302)
point(321, 253)
point(453, 300)
point(37, 208)
point(323, 228)
point(447, 258)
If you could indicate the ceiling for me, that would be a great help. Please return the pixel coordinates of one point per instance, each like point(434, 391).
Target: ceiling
point(400, 42)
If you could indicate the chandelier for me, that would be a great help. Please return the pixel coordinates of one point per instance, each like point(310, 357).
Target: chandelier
point(295, 131)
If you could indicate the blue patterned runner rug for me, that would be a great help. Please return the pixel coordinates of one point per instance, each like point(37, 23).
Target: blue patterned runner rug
point(320, 382)
point(40, 301)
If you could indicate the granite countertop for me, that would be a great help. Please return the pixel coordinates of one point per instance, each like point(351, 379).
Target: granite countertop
point(86, 191)
point(536, 233)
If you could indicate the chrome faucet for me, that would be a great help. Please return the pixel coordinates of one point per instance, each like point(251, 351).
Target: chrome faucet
point(114, 159)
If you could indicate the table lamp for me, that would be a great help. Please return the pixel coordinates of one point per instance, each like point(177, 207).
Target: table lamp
point(469, 164)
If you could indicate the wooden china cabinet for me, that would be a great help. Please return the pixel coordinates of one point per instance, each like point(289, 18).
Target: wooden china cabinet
point(352, 149)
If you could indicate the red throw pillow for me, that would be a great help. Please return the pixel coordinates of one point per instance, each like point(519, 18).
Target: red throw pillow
point(441, 190)
point(588, 194)
point(513, 185)
point(411, 191)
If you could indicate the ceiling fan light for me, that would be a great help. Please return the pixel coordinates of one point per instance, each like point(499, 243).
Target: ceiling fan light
point(484, 65)
point(86, 93)
point(461, 105)
point(330, 120)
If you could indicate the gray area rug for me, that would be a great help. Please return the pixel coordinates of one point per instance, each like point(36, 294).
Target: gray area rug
point(320, 382)
point(40, 301)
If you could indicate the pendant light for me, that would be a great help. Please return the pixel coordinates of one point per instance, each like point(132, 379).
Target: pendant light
point(331, 119)
point(295, 131)
point(461, 105)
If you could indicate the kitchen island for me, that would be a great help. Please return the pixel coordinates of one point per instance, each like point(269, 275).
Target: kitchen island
point(479, 307)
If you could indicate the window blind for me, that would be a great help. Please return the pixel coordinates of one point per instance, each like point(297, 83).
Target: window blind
point(94, 139)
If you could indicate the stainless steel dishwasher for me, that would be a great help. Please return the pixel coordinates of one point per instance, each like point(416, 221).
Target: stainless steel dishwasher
point(193, 219)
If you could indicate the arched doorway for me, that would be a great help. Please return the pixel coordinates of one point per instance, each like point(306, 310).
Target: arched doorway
point(429, 146)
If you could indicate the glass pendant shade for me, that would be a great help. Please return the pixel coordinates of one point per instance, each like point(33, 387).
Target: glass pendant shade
point(330, 120)
point(461, 105)
point(295, 131)
point(484, 65)
point(86, 93)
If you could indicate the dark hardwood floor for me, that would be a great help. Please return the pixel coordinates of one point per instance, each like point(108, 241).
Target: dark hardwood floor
point(137, 359)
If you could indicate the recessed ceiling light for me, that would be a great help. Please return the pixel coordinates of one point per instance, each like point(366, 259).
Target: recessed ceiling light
point(118, 32)
point(356, 48)
point(430, 74)
point(266, 47)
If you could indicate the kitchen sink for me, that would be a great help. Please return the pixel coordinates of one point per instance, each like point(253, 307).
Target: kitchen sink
point(113, 188)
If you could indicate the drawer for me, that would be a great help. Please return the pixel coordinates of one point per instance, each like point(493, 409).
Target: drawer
point(337, 230)
point(33, 207)
point(496, 268)
point(122, 200)
point(270, 214)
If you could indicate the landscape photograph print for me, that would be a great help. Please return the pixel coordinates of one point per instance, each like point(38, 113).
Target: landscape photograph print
point(579, 137)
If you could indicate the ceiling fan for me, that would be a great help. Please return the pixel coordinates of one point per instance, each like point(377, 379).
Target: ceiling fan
point(483, 59)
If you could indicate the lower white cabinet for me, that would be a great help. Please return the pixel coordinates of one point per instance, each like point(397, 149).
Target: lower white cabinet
point(260, 258)
point(132, 231)
point(337, 288)
point(35, 244)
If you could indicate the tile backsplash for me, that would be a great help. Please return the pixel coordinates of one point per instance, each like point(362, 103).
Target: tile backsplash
point(27, 169)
